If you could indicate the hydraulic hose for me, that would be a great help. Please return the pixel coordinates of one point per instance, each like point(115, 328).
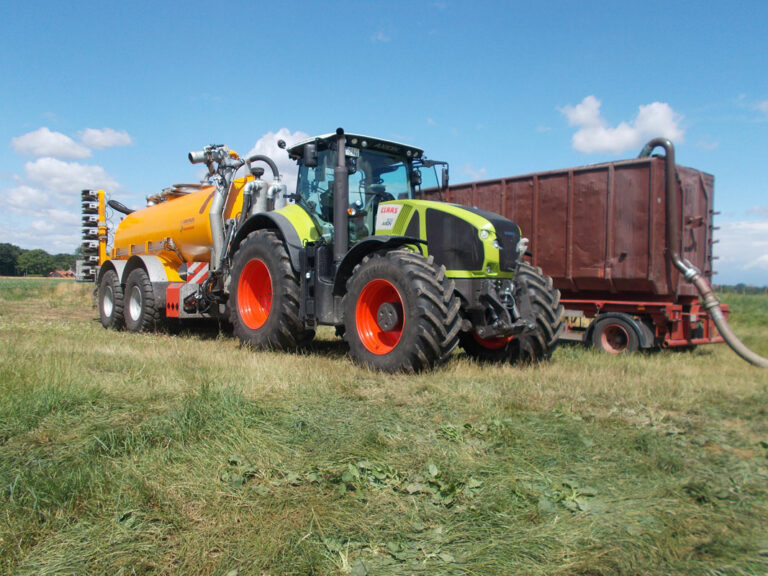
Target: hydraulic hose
point(267, 160)
point(692, 274)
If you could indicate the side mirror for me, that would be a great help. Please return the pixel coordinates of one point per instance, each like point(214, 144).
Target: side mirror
point(310, 155)
point(444, 180)
point(416, 178)
point(351, 165)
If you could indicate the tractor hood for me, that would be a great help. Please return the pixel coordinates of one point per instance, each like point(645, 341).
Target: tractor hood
point(467, 241)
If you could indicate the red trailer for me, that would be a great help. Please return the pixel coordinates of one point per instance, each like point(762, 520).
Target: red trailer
point(602, 233)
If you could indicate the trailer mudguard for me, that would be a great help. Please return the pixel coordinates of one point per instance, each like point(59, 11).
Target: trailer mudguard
point(154, 266)
point(117, 265)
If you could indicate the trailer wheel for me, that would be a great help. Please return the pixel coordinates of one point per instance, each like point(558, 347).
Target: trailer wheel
point(110, 297)
point(400, 312)
point(140, 312)
point(265, 295)
point(535, 346)
point(615, 335)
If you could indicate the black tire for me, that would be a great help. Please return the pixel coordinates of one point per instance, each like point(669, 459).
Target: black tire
point(110, 298)
point(615, 335)
point(531, 347)
point(265, 295)
point(141, 313)
point(400, 312)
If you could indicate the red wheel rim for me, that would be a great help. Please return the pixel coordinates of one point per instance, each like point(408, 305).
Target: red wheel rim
point(614, 339)
point(492, 343)
point(254, 294)
point(375, 339)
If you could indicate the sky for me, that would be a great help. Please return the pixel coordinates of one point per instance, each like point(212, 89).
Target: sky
point(114, 95)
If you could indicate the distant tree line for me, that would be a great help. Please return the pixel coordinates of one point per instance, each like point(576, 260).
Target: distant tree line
point(741, 289)
point(15, 261)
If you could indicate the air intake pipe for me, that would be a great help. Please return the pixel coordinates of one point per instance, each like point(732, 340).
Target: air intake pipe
point(692, 274)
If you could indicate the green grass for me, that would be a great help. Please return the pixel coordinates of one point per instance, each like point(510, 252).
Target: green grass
point(162, 454)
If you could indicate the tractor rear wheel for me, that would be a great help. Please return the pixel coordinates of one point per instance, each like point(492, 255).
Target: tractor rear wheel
point(400, 312)
point(141, 315)
point(535, 346)
point(110, 297)
point(265, 295)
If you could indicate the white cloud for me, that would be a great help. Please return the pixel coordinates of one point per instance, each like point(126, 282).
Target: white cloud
point(380, 38)
point(105, 138)
point(43, 142)
point(66, 179)
point(761, 263)
point(56, 221)
point(267, 146)
point(594, 135)
point(53, 231)
point(40, 208)
point(23, 198)
point(743, 252)
point(474, 173)
point(708, 144)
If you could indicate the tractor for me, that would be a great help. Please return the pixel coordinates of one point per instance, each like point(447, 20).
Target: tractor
point(404, 280)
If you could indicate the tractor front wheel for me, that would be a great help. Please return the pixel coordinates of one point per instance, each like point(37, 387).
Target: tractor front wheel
point(265, 295)
point(110, 297)
point(529, 347)
point(400, 312)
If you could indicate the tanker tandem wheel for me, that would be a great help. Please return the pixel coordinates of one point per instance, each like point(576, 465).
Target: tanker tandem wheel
point(141, 313)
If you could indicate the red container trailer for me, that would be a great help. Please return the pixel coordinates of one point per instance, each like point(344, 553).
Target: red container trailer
point(601, 232)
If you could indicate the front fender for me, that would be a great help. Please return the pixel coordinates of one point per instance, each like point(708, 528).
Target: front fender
point(364, 247)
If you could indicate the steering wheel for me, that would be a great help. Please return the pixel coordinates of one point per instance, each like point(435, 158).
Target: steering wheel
point(379, 193)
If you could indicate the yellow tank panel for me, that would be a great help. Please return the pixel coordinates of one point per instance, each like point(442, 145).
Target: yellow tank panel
point(182, 219)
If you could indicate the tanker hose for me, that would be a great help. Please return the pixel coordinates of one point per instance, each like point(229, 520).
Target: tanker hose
point(690, 272)
point(267, 160)
point(712, 306)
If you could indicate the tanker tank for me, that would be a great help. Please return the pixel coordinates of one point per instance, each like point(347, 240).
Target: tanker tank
point(176, 226)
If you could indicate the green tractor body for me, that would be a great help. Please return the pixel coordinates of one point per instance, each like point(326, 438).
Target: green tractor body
point(365, 240)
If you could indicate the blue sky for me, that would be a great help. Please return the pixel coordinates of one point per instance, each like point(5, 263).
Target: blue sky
point(115, 95)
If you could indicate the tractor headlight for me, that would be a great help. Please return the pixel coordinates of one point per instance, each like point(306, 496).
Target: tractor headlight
point(484, 234)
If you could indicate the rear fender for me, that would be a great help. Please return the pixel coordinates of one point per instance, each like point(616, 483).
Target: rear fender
point(294, 235)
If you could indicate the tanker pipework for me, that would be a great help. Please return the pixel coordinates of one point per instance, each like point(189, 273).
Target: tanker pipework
point(228, 163)
point(689, 271)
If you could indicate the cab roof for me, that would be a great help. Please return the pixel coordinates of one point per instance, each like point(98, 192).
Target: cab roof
point(361, 141)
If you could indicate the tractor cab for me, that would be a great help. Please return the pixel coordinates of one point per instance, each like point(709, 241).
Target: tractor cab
point(377, 171)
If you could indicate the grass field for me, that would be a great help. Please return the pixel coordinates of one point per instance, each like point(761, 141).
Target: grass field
point(185, 454)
